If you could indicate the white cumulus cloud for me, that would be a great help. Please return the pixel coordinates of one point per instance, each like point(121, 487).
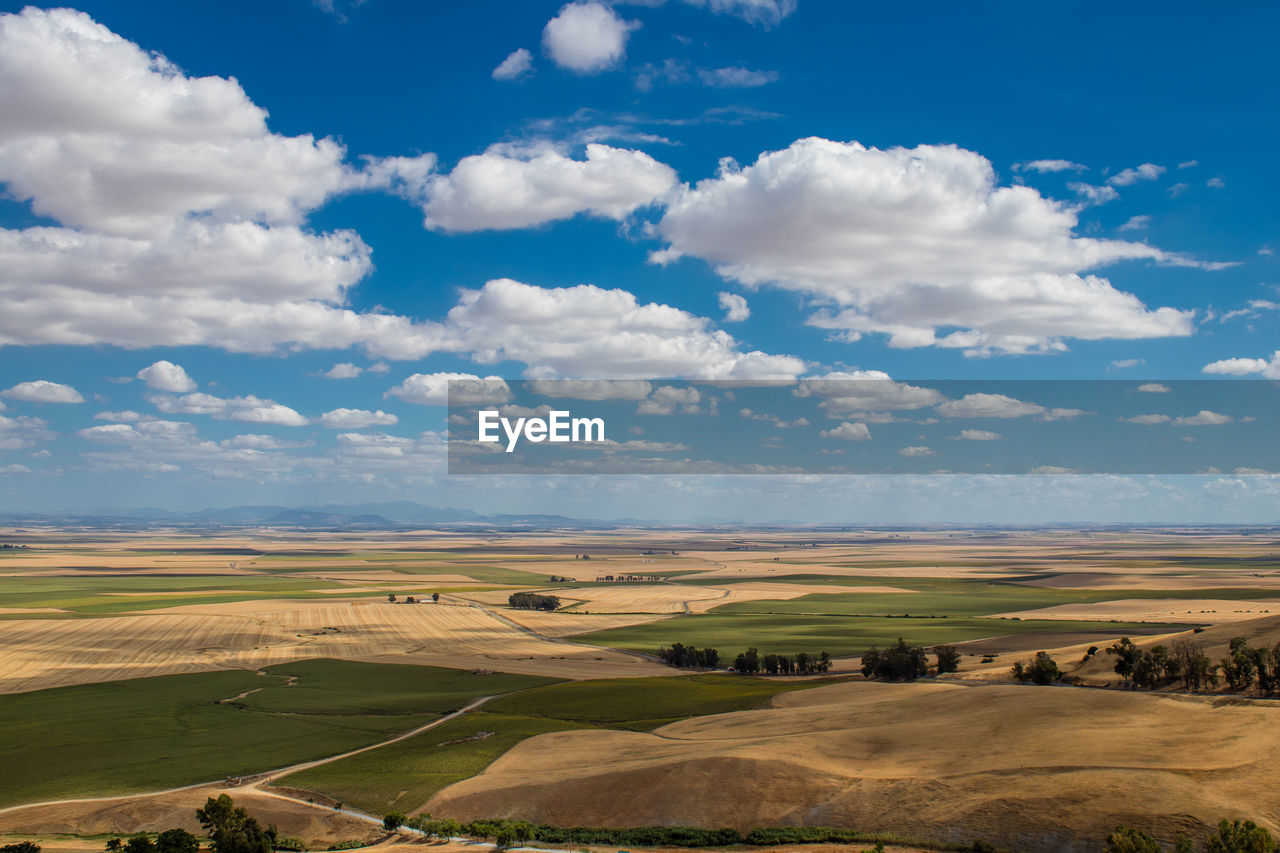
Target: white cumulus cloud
point(734, 306)
point(167, 376)
point(905, 241)
point(42, 391)
point(523, 186)
point(357, 419)
point(847, 431)
point(249, 409)
point(587, 37)
point(1245, 366)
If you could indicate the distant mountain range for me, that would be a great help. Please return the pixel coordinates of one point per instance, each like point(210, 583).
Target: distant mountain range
point(391, 515)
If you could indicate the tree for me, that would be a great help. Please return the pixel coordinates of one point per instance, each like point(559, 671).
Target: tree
point(1129, 840)
point(177, 841)
point(1237, 837)
point(140, 844)
point(1194, 665)
point(114, 845)
point(231, 829)
point(411, 600)
point(392, 821)
point(1239, 666)
point(435, 596)
point(391, 597)
point(1127, 657)
point(948, 659)
point(1042, 670)
point(899, 662)
point(748, 661)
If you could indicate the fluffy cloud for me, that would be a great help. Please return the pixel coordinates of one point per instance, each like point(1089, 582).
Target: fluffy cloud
point(357, 419)
point(249, 409)
point(1129, 177)
point(167, 376)
point(42, 391)
point(848, 432)
point(907, 241)
point(520, 187)
point(181, 213)
point(432, 389)
point(588, 332)
point(587, 37)
point(978, 435)
point(1001, 406)
point(517, 64)
point(1202, 418)
point(735, 307)
point(343, 370)
point(1246, 366)
point(1153, 388)
point(22, 432)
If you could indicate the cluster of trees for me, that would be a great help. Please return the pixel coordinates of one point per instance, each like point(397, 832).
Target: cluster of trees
point(1231, 837)
point(231, 829)
point(1041, 670)
point(558, 579)
point(904, 662)
point(629, 579)
point(21, 846)
point(680, 655)
point(533, 601)
point(169, 841)
point(391, 597)
point(803, 663)
point(1185, 662)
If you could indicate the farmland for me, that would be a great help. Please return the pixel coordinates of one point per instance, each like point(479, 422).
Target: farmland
point(136, 664)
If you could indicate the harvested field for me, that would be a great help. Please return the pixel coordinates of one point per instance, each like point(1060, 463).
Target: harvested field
point(247, 635)
point(1190, 610)
point(567, 624)
point(874, 756)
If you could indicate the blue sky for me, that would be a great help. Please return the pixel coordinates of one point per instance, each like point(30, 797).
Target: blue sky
point(248, 195)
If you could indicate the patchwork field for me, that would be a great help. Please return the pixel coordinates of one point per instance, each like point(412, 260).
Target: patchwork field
point(134, 664)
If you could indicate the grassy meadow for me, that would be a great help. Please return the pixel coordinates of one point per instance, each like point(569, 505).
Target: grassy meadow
point(154, 733)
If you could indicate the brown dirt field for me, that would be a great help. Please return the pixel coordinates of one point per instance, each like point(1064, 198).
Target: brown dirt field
point(318, 826)
point(898, 758)
point(1191, 610)
point(35, 654)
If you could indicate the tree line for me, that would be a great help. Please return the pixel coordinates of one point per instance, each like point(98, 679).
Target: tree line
point(751, 661)
point(904, 662)
point(1185, 661)
point(533, 601)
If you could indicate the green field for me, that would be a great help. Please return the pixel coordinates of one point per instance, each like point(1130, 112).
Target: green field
point(404, 775)
point(839, 636)
point(153, 733)
point(94, 595)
